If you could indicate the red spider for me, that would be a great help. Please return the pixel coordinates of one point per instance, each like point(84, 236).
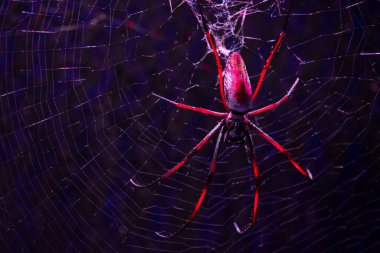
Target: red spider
point(237, 97)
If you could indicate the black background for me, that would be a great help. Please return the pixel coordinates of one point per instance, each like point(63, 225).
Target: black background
point(78, 121)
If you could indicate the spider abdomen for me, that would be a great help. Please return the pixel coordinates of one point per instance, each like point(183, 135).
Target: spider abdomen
point(237, 87)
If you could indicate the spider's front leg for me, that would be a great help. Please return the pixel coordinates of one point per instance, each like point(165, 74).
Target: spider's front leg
point(166, 234)
point(256, 174)
point(280, 148)
point(187, 158)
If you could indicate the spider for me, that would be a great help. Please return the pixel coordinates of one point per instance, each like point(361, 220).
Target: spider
point(235, 127)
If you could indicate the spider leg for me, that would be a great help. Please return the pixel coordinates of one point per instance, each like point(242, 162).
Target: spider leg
point(192, 108)
point(257, 189)
point(166, 234)
point(274, 105)
point(268, 61)
point(216, 55)
point(306, 173)
point(187, 158)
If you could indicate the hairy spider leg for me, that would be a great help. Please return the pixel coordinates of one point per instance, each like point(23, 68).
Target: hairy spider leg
point(192, 108)
point(187, 158)
point(274, 105)
point(306, 173)
point(257, 189)
point(268, 61)
point(217, 58)
point(166, 234)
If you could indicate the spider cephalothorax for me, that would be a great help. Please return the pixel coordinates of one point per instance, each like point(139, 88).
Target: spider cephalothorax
point(236, 129)
point(237, 97)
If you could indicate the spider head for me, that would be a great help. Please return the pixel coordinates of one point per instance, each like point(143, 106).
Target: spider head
point(236, 129)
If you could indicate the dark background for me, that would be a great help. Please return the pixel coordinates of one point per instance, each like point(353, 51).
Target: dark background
point(78, 121)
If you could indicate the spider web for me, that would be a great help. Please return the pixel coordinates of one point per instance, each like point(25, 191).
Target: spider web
point(78, 121)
